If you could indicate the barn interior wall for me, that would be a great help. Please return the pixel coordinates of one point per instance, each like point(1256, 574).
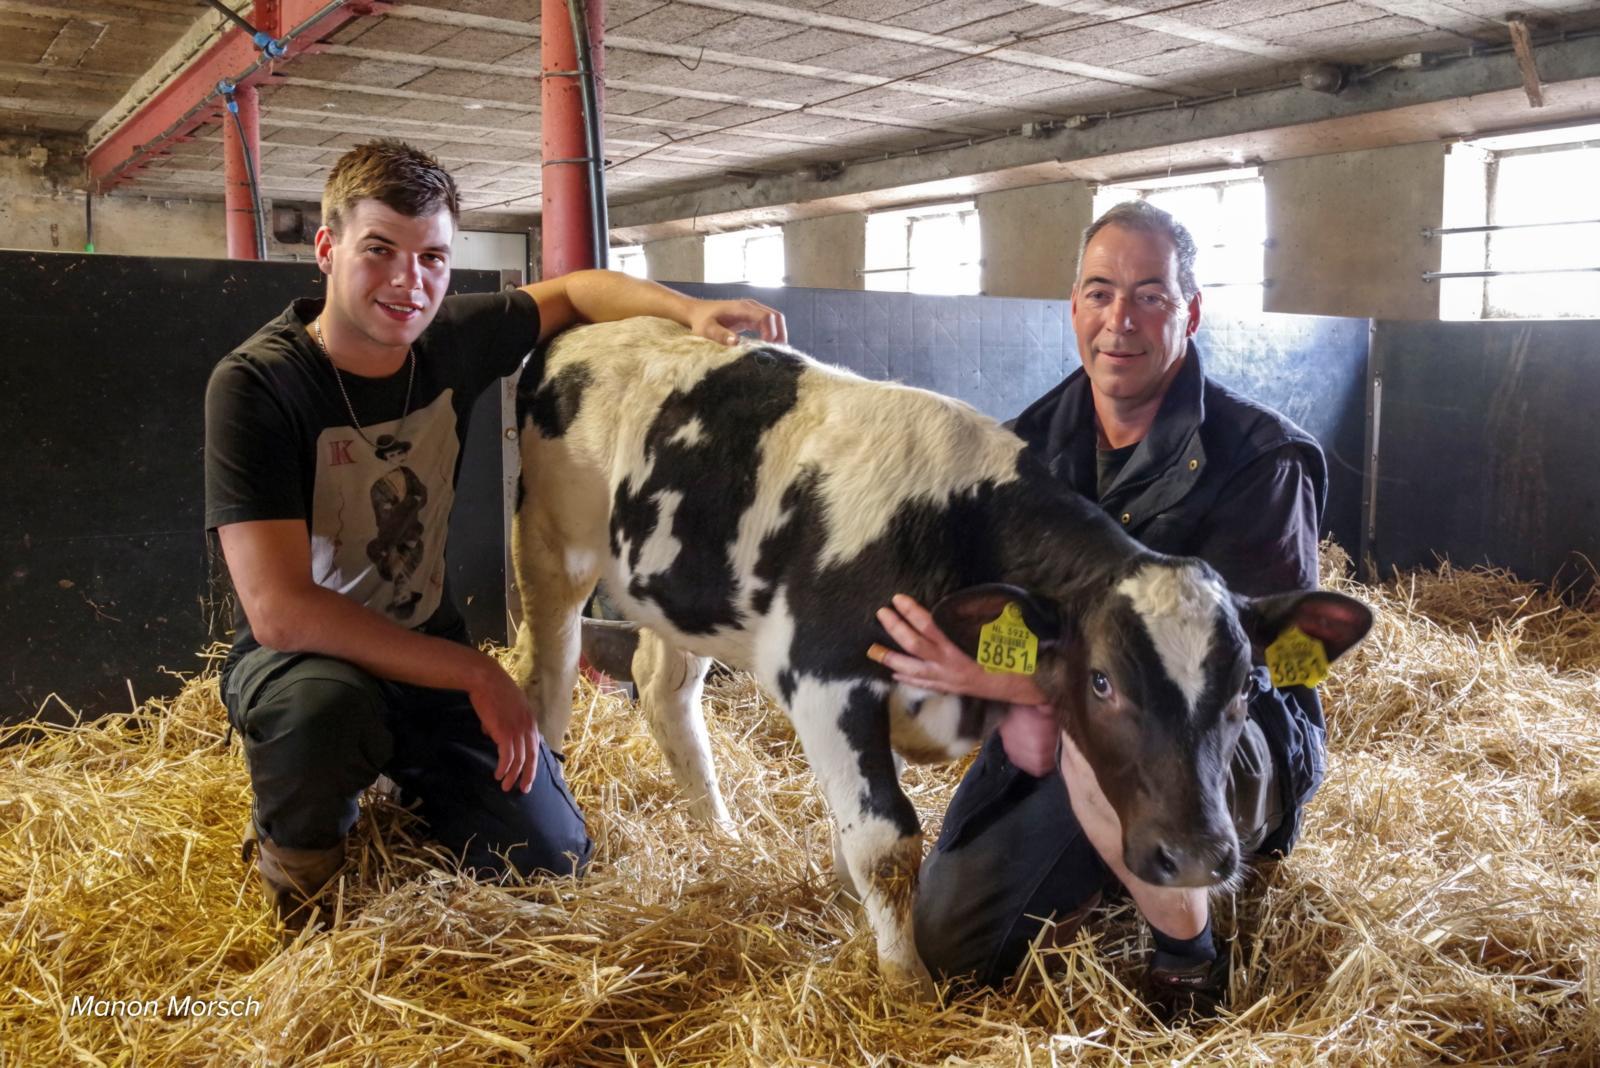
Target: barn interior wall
point(676, 259)
point(1345, 232)
point(1030, 238)
point(828, 252)
point(1344, 237)
point(42, 209)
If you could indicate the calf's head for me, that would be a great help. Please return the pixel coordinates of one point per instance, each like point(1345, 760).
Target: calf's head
point(1150, 675)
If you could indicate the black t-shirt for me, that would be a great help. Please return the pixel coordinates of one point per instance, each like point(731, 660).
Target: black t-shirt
point(1109, 464)
point(280, 444)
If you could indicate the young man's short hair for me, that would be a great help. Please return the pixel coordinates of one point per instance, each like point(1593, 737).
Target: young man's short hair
point(393, 173)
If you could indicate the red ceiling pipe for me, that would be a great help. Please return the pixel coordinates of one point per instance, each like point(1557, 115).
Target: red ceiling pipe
point(189, 99)
point(566, 219)
point(237, 195)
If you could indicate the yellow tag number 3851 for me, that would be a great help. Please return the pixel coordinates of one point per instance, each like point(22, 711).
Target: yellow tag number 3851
point(1005, 644)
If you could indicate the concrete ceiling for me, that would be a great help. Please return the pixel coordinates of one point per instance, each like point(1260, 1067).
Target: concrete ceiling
point(704, 97)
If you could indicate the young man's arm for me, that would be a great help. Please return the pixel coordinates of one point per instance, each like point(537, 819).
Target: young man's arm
point(270, 563)
point(604, 296)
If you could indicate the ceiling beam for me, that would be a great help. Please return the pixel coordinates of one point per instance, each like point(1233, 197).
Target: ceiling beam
point(34, 74)
point(189, 98)
point(1457, 98)
point(1177, 27)
point(39, 105)
point(214, 137)
point(1438, 16)
point(127, 11)
point(737, 60)
point(423, 130)
point(529, 71)
point(530, 109)
point(942, 42)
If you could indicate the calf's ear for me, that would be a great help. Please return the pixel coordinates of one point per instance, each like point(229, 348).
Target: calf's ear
point(962, 614)
point(1337, 621)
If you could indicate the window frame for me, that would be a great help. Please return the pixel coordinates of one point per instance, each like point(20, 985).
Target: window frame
point(965, 212)
point(1480, 298)
point(1217, 180)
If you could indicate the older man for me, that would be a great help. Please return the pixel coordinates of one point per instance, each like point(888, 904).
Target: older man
point(1189, 468)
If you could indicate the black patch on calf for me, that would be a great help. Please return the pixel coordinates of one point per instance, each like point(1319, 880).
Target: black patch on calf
point(735, 405)
point(786, 685)
point(781, 547)
point(1032, 532)
point(1143, 678)
point(554, 404)
point(865, 726)
point(631, 512)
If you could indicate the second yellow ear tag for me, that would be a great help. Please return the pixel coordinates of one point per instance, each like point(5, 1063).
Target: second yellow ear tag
point(1297, 659)
point(1006, 644)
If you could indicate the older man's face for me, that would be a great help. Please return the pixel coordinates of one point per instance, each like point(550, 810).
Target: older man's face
point(1130, 315)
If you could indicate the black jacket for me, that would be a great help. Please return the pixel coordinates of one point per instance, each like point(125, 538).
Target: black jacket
point(1232, 482)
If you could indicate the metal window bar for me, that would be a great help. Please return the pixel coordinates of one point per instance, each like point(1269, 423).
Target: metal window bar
point(904, 270)
point(1437, 231)
point(1429, 276)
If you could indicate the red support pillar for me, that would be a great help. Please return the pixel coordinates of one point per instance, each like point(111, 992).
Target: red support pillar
point(241, 212)
point(564, 195)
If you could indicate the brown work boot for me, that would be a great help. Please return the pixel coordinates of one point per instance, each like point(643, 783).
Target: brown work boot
point(293, 879)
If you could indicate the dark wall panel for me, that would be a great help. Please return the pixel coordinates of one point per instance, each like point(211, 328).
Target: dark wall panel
point(101, 399)
point(1000, 354)
point(997, 354)
point(1487, 445)
point(1313, 370)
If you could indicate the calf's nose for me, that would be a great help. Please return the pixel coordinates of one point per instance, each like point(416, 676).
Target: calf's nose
point(1200, 864)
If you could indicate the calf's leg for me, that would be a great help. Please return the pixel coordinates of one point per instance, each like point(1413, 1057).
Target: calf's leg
point(558, 535)
point(844, 728)
point(670, 683)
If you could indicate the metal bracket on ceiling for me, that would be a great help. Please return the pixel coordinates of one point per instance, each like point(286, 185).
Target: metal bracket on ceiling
point(270, 46)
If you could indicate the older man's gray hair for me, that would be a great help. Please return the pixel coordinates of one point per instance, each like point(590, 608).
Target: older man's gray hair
point(1146, 217)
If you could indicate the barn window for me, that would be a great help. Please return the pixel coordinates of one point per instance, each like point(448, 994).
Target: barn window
point(930, 249)
point(1226, 211)
point(753, 256)
point(1521, 226)
point(629, 259)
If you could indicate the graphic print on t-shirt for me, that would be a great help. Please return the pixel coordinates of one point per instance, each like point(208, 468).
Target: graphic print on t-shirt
point(380, 513)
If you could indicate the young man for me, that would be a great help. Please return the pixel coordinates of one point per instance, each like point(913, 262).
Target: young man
point(333, 441)
point(1189, 468)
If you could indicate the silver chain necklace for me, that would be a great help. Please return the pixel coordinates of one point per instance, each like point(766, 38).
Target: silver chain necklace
point(405, 410)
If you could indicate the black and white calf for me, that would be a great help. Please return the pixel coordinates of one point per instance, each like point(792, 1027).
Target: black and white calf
point(750, 505)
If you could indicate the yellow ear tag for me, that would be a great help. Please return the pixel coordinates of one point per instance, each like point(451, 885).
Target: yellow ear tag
point(1297, 659)
point(1005, 644)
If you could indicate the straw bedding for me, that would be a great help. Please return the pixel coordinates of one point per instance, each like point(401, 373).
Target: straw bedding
point(1442, 907)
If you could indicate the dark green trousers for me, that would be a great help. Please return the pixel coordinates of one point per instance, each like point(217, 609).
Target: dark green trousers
point(318, 731)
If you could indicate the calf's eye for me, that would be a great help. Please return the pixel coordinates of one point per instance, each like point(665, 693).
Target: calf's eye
point(1100, 684)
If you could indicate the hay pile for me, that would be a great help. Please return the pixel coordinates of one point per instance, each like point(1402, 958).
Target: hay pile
point(1442, 907)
